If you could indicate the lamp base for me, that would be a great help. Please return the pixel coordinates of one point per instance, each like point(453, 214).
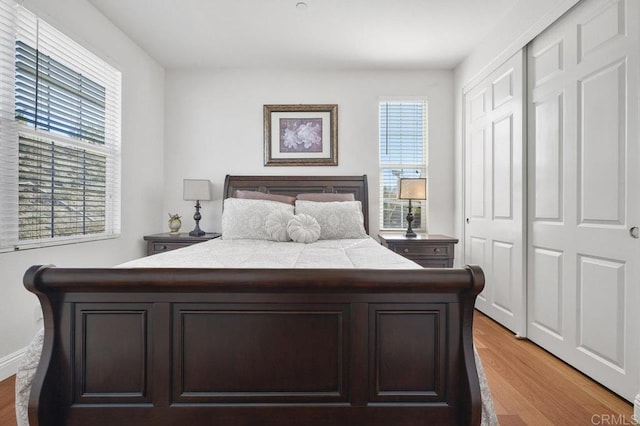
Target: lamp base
point(197, 232)
point(409, 233)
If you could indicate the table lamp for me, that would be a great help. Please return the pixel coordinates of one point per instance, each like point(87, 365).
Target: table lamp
point(196, 190)
point(412, 189)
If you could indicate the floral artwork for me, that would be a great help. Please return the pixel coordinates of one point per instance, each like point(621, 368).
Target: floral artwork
point(301, 135)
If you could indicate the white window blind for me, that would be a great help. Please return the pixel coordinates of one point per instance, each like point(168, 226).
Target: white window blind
point(403, 153)
point(8, 127)
point(62, 136)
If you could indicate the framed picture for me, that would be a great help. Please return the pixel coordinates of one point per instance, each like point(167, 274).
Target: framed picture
point(300, 135)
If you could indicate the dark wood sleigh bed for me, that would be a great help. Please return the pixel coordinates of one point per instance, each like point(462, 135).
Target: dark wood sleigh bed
point(279, 347)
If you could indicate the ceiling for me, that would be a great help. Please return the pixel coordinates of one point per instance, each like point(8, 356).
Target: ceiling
point(342, 34)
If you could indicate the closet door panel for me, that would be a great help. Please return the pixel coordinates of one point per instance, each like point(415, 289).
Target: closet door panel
point(477, 156)
point(583, 264)
point(502, 275)
point(548, 162)
point(546, 61)
point(601, 146)
point(602, 26)
point(502, 89)
point(494, 231)
point(503, 168)
point(601, 321)
point(546, 293)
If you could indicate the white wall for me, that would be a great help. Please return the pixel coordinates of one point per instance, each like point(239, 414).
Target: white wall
point(214, 127)
point(142, 170)
point(526, 20)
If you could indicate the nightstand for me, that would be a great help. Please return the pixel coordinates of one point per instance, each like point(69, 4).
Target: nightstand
point(429, 251)
point(159, 243)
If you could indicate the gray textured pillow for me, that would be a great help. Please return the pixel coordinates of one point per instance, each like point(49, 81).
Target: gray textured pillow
point(276, 225)
point(338, 219)
point(246, 219)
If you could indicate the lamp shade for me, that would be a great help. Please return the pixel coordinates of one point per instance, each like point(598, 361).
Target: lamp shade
point(196, 190)
point(412, 189)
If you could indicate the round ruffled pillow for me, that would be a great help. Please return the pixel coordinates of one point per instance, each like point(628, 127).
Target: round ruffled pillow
point(276, 225)
point(303, 228)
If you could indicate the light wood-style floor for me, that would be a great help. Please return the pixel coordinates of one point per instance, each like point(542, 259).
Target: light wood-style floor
point(532, 387)
point(7, 400)
point(529, 386)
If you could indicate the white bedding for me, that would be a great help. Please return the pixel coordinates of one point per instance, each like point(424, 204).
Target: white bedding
point(218, 253)
point(358, 253)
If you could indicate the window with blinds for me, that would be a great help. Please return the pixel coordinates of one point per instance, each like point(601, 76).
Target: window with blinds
point(59, 136)
point(403, 154)
point(55, 98)
point(62, 190)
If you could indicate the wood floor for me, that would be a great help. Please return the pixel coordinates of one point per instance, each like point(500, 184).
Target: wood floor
point(7, 398)
point(532, 387)
point(529, 386)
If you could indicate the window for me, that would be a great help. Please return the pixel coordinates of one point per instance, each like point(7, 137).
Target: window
point(403, 153)
point(59, 136)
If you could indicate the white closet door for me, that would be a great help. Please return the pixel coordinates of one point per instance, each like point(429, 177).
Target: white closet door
point(494, 232)
point(584, 191)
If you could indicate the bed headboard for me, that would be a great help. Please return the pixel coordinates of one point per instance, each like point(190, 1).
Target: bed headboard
point(294, 185)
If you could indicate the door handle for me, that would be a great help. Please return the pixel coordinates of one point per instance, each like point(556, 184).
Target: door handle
point(634, 232)
point(467, 220)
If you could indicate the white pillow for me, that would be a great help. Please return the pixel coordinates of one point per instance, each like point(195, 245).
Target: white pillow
point(337, 219)
point(246, 219)
point(276, 225)
point(303, 228)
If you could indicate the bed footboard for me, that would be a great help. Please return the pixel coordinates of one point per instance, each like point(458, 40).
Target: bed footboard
point(256, 347)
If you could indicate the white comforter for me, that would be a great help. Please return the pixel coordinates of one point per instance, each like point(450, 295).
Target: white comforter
point(361, 253)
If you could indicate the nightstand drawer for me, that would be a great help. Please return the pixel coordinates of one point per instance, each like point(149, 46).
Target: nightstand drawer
point(434, 263)
point(159, 243)
point(431, 250)
point(161, 247)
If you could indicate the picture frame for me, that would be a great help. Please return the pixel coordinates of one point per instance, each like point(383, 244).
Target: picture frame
point(301, 135)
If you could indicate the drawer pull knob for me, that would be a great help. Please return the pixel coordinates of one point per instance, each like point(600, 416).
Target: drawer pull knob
point(436, 250)
point(406, 250)
point(163, 247)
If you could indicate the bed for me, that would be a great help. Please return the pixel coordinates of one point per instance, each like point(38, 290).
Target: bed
point(378, 343)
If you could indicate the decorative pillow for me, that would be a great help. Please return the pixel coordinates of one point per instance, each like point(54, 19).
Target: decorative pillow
point(303, 228)
point(257, 195)
point(337, 219)
point(325, 197)
point(276, 225)
point(246, 219)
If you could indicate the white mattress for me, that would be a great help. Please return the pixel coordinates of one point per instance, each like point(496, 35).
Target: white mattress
point(218, 253)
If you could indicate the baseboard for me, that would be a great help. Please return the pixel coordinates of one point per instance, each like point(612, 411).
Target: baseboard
point(9, 364)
